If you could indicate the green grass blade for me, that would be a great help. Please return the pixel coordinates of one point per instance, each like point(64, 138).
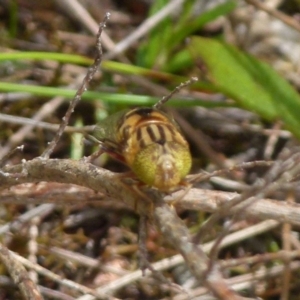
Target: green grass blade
point(152, 52)
point(113, 98)
point(193, 24)
point(253, 84)
point(60, 57)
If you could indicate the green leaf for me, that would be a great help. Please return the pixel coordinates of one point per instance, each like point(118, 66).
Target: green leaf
point(110, 66)
point(253, 84)
point(194, 23)
point(110, 98)
point(168, 36)
point(60, 57)
point(152, 52)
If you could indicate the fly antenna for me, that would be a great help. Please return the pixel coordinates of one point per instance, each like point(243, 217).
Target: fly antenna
point(164, 99)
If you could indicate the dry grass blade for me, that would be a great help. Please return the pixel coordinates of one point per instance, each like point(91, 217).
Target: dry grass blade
point(21, 278)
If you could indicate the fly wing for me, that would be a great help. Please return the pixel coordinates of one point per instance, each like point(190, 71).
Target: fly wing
point(107, 133)
point(107, 130)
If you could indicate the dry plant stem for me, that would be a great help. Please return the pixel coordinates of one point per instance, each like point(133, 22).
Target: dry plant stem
point(281, 172)
point(247, 280)
point(88, 77)
point(12, 152)
point(83, 260)
point(143, 257)
point(239, 167)
point(212, 201)
point(80, 14)
point(257, 128)
point(32, 244)
point(54, 294)
point(195, 199)
point(272, 141)
point(39, 124)
point(275, 13)
point(56, 278)
point(144, 28)
point(215, 249)
point(73, 172)
point(225, 210)
point(175, 260)
point(286, 239)
point(177, 234)
point(164, 99)
point(295, 242)
point(93, 156)
point(16, 225)
point(19, 275)
point(11, 97)
point(243, 282)
point(101, 180)
point(228, 184)
point(261, 258)
point(18, 136)
point(144, 263)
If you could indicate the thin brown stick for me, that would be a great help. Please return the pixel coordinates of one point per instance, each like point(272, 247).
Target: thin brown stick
point(57, 278)
point(28, 288)
point(78, 13)
point(205, 176)
point(16, 225)
point(82, 88)
point(177, 234)
point(101, 180)
point(12, 152)
point(166, 218)
point(282, 171)
point(171, 262)
point(164, 99)
point(17, 138)
point(275, 13)
point(39, 124)
point(286, 240)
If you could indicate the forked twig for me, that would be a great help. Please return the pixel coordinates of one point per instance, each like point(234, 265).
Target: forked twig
point(202, 176)
point(87, 79)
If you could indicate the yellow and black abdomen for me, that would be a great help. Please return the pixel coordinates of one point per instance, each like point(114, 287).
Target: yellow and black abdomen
point(154, 148)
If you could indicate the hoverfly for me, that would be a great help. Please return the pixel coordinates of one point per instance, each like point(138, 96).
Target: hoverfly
point(148, 141)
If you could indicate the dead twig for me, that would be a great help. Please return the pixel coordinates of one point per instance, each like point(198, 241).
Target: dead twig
point(276, 13)
point(106, 189)
point(28, 288)
point(82, 88)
